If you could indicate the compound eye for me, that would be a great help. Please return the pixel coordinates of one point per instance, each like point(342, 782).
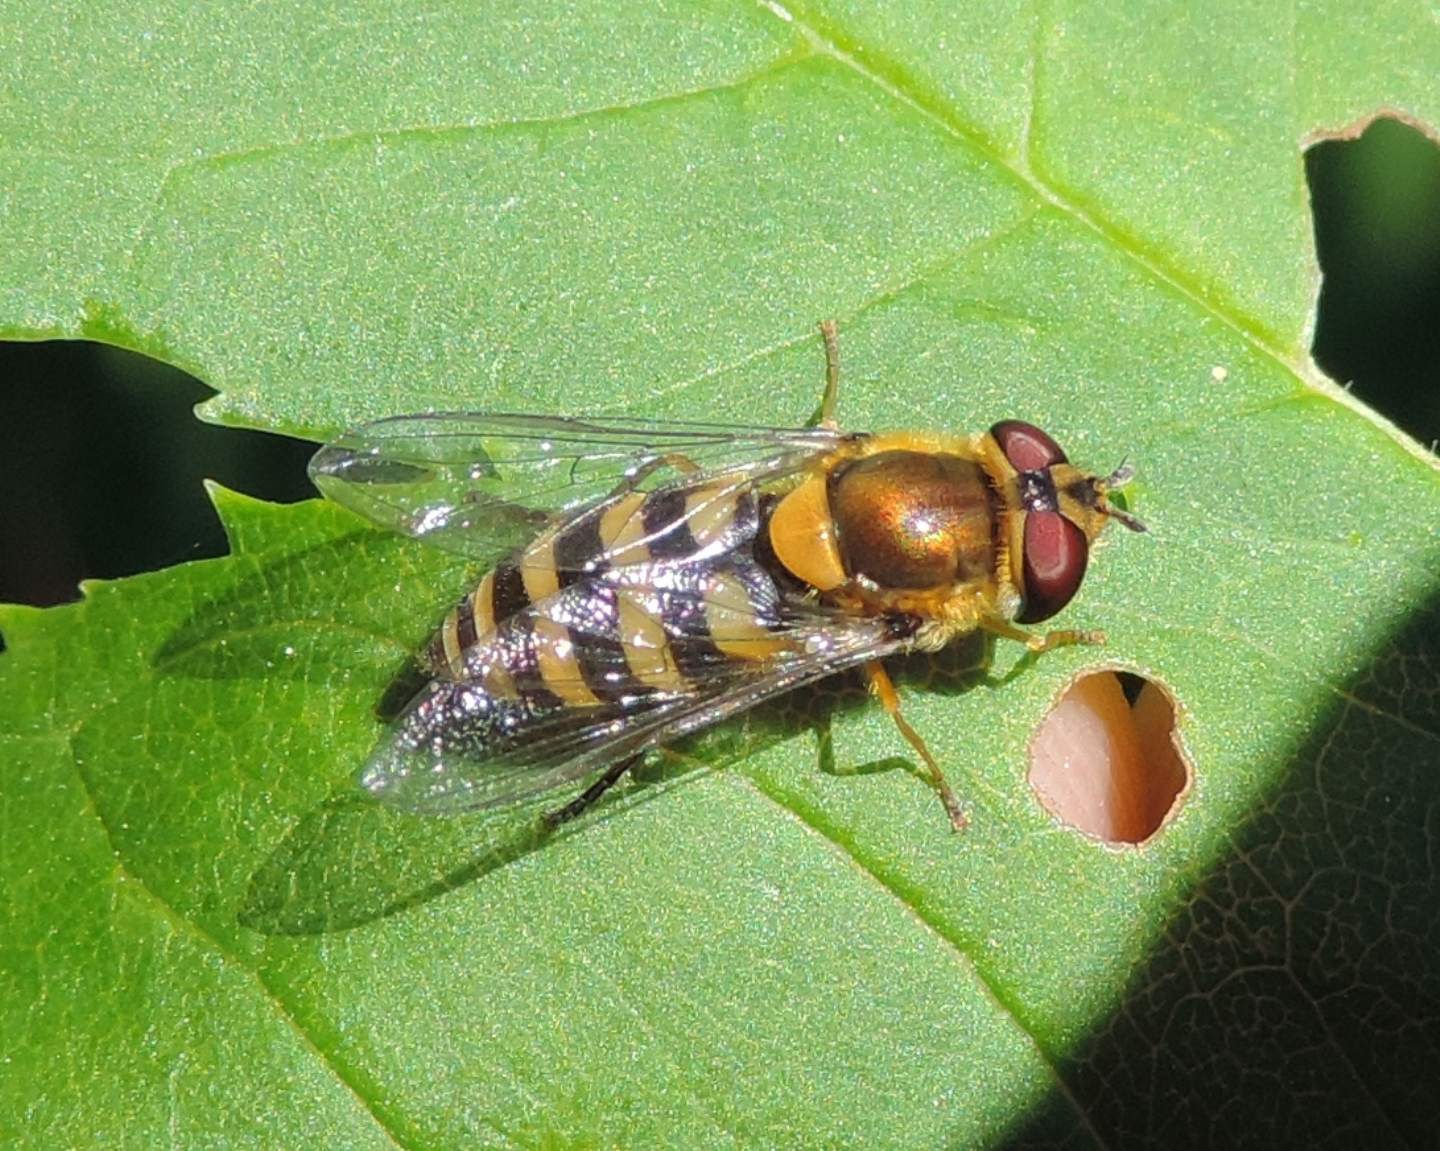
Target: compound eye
point(1056, 552)
point(1026, 447)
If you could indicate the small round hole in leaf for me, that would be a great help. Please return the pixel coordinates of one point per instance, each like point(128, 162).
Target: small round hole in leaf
point(1107, 759)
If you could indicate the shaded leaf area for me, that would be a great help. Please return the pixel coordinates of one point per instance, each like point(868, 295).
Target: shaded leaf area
point(1294, 999)
point(1096, 224)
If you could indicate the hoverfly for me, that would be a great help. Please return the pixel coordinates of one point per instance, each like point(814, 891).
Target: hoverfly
point(660, 577)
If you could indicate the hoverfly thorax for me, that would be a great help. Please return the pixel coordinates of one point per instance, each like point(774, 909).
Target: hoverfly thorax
point(912, 520)
point(1052, 512)
point(946, 528)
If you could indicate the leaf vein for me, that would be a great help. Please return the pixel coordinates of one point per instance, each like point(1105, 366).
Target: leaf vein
point(1241, 639)
point(395, 135)
point(934, 928)
point(927, 271)
point(1048, 192)
point(187, 926)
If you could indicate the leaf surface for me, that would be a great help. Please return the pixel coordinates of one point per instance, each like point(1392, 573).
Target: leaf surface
point(1092, 217)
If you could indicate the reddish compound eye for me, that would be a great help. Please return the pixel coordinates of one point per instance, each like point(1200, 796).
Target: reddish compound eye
point(1056, 552)
point(1026, 447)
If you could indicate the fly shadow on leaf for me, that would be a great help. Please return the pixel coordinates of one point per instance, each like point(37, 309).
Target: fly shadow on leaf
point(954, 670)
point(352, 861)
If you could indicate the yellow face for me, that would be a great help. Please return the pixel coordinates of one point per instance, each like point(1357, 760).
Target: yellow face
point(1083, 500)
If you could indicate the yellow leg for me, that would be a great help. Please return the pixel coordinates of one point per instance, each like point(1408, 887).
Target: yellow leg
point(1042, 643)
point(682, 464)
point(831, 398)
point(884, 690)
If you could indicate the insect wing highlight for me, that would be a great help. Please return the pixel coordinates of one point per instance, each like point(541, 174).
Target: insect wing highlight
point(481, 484)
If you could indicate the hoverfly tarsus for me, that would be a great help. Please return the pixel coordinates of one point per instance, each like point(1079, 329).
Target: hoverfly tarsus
point(660, 577)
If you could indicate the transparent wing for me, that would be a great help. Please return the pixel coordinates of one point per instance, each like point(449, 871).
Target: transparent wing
point(707, 652)
point(480, 483)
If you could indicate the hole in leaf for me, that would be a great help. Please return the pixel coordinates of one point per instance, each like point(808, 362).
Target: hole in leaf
point(101, 468)
point(1376, 201)
point(1107, 758)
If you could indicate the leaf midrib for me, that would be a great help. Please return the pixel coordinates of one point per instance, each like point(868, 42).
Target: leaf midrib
point(184, 925)
point(931, 927)
point(1151, 264)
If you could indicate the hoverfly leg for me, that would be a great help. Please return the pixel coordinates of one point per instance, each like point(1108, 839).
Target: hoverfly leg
point(884, 689)
point(682, 464)
point(582, 802)
point(828, 403)
point(1043, 643)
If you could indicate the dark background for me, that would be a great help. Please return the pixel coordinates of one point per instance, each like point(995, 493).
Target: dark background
point(101, 459)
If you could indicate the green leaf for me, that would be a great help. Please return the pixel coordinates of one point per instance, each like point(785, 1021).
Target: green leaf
point(1092, 217)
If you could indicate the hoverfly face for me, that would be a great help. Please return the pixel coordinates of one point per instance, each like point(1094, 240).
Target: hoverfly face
point(1059, 510)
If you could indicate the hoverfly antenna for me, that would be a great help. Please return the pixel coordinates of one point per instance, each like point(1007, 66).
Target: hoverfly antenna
point(1122, 475)
point(1124, 472)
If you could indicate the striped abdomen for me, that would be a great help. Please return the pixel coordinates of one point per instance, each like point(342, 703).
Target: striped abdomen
point(647, 595)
